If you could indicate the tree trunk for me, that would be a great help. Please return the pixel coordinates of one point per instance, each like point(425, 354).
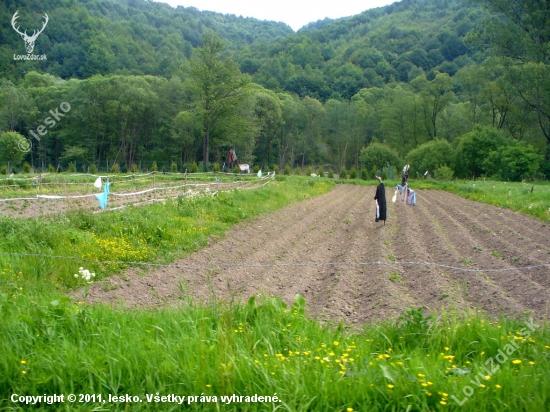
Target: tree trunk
point(205, 149)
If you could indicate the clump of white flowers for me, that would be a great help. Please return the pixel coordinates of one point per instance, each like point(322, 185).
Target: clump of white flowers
point(84, 274)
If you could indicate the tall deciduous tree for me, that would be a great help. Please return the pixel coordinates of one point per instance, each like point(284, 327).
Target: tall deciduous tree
point(220, 88)
point(436, 95)
point(183, 133)
point(314, 114)
point(401, 122)
point(520, 31)
point(268, 118)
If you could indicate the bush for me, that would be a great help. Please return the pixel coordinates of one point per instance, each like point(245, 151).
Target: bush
point(93, 168)
point(51, 169)
point(444, 173)
point(115, 168)
point(515, 162)
point(309, 171)
point(384, 175)
point(297, 171)
point(256, 168)
point(277, 169)
point(373, 172)
point(353, 173)
point(474, 148)
point(134, 168)
point(154, 167)
point(236, 169)
point(11, 146)
point(378, 156)
point(174, 167)
point(26, 167)
point(287, 170)
point(343, 173)
point(430, 156)
point(330, 174)
point(3, 170)
point(71, 167)
point(364, 174)
point(321, 172)
point(194, 167)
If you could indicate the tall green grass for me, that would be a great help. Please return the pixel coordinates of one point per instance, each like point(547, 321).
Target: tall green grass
point(265, 348)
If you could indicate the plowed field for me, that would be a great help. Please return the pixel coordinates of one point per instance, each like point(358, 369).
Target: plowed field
point(350, 268)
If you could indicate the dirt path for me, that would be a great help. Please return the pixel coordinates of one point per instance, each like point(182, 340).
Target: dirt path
point(304, 238)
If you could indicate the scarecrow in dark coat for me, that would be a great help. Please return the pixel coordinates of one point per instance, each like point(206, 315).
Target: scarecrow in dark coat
point(380, 199)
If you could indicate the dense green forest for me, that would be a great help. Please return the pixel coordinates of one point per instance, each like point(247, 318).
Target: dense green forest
point(456, 87)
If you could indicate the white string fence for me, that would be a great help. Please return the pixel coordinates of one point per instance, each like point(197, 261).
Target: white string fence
point(124, 192)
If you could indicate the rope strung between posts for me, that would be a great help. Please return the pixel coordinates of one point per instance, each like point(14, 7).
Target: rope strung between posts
point(190, 185)
point(276, 265)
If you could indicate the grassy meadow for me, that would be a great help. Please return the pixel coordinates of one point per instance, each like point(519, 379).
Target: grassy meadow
point(51, 344)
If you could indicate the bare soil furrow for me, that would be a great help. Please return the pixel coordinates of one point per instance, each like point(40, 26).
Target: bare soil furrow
point(339, 227)
point(520, 226)
point(531, 295)
point(426, 283)
point(494, 244)
point(479, 291)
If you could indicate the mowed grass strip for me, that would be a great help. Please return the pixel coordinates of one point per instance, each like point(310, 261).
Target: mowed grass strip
point(531, 198)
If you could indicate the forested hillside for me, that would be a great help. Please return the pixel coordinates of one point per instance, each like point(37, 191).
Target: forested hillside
point(394, 43)
point(456, 87)
point(90, 37)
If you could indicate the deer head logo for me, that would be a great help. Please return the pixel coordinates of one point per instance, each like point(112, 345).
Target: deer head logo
point(29, 39)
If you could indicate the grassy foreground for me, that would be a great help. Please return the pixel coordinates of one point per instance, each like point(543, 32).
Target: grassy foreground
point(415, 364)
point(52, 345)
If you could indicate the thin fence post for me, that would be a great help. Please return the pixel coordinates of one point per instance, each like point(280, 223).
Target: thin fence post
point(66, 198)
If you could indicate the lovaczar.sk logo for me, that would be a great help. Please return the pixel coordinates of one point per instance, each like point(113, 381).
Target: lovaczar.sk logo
point(29, 40)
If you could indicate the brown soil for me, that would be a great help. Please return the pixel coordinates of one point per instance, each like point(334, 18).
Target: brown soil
point(350, 268)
